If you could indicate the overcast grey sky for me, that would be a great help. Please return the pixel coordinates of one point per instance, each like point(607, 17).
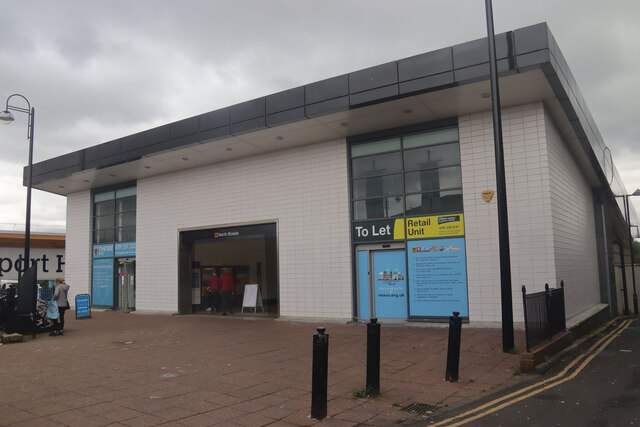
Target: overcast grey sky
point(99, 70)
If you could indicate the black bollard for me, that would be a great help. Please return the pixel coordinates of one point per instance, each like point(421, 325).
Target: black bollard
point(319, 376)
point(373, 357)
point(453, 351)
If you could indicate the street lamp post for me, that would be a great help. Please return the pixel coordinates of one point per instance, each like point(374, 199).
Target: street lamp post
point(508, 343)
point(7, 118)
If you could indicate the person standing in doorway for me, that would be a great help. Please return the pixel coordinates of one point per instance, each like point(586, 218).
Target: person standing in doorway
point(60, 297)
point(214, 290)
point(228, 287)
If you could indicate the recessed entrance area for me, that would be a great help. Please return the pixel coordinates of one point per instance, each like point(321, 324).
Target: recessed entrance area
point(230, 271)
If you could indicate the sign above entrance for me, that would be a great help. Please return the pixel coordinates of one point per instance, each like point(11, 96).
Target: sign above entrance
point(435, 226)
point(125, 249)
point(373, 231)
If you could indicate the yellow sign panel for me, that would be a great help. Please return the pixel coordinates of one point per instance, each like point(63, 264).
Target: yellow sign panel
point(398, 229)
point(435, 226)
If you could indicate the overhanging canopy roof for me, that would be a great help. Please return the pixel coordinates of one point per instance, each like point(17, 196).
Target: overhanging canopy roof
point(444, 83)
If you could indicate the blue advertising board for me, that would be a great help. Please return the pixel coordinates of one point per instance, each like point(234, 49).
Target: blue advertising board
point(390, 286)
point(83, 306)
point(125, 249)
point(103, 251)
point(102, 284)
point(438, 277)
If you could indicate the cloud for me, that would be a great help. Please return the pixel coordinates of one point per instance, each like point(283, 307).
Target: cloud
point(96, 71)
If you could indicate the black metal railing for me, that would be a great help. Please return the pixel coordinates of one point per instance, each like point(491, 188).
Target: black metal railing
point(544, 314)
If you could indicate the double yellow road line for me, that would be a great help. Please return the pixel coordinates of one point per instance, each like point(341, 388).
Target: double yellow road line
point(502, 402)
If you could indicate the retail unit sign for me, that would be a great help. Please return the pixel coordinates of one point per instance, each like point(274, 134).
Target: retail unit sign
point(372, 231)
point(437, 277)
point(435, 226)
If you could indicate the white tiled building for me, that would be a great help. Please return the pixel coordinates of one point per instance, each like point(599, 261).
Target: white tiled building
point(279, 190)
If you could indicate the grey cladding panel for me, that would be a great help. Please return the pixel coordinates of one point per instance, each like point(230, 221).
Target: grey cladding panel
point(427, 64)
point(248, 126)
point(72, 159)
point(214, 119)
point(327, 89)
point(530, 39)
point(248, 110)
point(427, 83)
point(184, 127)
point(92, 153)
point(477, 51)
point(285, 117)
point(132, 142)
point(373, 95)
point(217, 133)
point(158, 135)
point(328, 107)
point(110, 148)
point(533, 59)
point(373, 78)
point(287, 100)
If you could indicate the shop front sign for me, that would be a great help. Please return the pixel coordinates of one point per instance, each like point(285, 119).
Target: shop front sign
point(374, 231)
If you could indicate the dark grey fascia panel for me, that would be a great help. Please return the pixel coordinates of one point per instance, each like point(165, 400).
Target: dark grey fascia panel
point(157, 135)
point(532, 38)
point(248, 126)
point(427, 84)
point(477, 51)
point(373, 77)
point(481, 71)
point(214, 119)
point(285, 117)
point(327, 107)
point(132, 142)
point(521, 50)
point(214, 134)
point(248, 110)
point(184, 127)
point(335, 87)
point(425, 65)
point(373, 96)
point(285, 100)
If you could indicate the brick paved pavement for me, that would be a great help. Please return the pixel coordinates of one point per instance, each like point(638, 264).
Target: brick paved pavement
point(145, 370)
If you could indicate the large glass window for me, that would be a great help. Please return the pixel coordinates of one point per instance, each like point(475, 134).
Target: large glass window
point(413, 174)
point(114, 216)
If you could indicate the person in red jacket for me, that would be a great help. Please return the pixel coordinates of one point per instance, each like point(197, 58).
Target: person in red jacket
point(214, 289)
point(228, 288)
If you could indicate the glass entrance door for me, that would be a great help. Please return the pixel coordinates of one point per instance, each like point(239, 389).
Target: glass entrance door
point(126, 285)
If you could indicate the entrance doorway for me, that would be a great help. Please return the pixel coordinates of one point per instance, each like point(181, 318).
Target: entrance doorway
point(126, 279)
point(248, 253)
point(382, 281)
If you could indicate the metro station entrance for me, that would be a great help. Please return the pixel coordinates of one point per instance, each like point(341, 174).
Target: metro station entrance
point(247, 253)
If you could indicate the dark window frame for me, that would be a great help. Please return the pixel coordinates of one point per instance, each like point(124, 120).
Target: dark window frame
point(402, 133)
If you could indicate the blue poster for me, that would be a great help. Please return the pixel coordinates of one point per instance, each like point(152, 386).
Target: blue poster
point(438, 279)
point(390, 286)
point(102, 285)
point(103, 251)
point(125, 249)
